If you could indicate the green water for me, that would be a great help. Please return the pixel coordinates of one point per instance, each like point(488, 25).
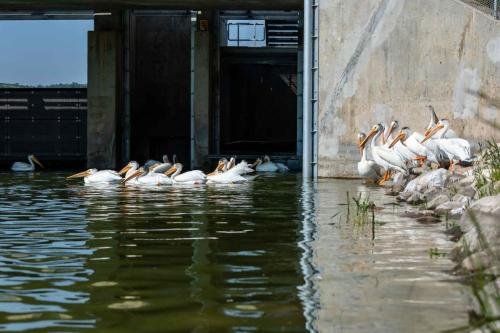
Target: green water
point(264, 256)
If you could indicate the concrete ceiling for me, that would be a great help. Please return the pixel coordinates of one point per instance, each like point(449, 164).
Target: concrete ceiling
point(148, 4)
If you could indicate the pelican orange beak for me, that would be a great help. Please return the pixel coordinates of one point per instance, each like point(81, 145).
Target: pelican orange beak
point(136, 174)
point(219, 167)
point(432, 131)
point(393, 126)
point(370, 135)
point(400, 137)
point(170, 171)
point(80, 175)
point(125, 169)
point(37, 161)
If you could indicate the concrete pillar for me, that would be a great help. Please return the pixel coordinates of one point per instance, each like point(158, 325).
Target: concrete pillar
point(202, 91)
point(103, 91)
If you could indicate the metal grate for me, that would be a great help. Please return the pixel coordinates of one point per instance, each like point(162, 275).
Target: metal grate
point(48, 122)
point(282, 33)
point(491, 6)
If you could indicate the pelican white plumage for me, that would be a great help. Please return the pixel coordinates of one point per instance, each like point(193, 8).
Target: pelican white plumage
point(268, 166)
point(403, 151)
point(24, 167)
point(384, 156)
point(151, 162)
point(190, 177)
point(367, 168)
point(409, 140)
point(93, 176)
point(454, 148)
point(129, 169)
point(231, 176)
point(146, 177)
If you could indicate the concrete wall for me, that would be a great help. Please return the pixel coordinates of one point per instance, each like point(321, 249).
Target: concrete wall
point(387, 59)
point(102, 99)
point(202, 96)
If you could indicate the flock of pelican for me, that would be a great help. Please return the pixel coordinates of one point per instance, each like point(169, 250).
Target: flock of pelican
point(406, 150)
point(155, 173)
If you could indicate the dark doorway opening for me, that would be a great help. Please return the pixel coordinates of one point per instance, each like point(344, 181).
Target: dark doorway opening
point(160, 85)
point(258, 101)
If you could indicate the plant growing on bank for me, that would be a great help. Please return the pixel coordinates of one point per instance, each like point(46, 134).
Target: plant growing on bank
point(487, 170)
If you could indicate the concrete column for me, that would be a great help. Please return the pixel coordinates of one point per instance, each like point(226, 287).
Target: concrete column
point(102, 99)
point(104, 91)
point(202, 94)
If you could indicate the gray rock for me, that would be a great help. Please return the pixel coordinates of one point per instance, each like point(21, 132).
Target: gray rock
point(462, 198)
point(436, 178)
point(448, 207)
point(438, 200)
point(457, 212)
point(482, 218)
point(477, 261)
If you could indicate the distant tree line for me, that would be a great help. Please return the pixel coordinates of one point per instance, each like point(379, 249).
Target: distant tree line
point(56, 85)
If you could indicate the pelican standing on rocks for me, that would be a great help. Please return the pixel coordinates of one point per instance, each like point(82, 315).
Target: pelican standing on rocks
point(434, 121)
point(454, 148)
point(383, 156)
point(23, 166)
point(367, 168)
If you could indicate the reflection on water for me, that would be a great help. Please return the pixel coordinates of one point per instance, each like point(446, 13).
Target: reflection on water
point(256, 257)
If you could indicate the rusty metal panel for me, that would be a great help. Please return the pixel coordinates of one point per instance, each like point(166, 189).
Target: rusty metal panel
point(160, 86)
point(50, 123)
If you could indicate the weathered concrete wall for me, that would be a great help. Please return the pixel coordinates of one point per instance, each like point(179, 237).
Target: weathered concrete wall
point(102, 92)
point(202, 97)
point(387, 59)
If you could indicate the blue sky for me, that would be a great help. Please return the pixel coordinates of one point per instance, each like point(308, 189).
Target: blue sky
point(43, 52)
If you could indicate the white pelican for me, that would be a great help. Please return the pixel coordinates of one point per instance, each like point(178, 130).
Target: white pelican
point(454, 148)
point(148, 177)
point(384, 156)
point(241, 168)
point(129, 169)
point(269, 166)
point(23, 166)
point(231, 176)
point(410, 140)
point(92, 176)
point(190, 177)
point(434, 121)
point(403, 151)
point(367, 168)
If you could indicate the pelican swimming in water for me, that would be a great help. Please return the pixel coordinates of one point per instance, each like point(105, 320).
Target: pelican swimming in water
point(454, 148)
point(23, 166)
point(367, 168)
point(93, 176)
point(189, 177)
point(164, 158)
point(383, 156)
point(231, 176)
point(146, 177)
point(268, 166)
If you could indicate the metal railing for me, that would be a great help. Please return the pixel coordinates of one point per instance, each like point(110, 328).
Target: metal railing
point(493, 5)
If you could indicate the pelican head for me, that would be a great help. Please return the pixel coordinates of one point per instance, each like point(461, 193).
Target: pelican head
point(373, 131)
point(402, 136)
point(266, 158)
point(130, 165)
point(361, 138)
point(165, 159)
point(140, 172)
point(218, 168)
point(83, 174)
point(175, 169)
point(34, 159)
point(257, 162)
point(392, 127)
point(443, 123)
point(434, 119)
point(231, 163)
